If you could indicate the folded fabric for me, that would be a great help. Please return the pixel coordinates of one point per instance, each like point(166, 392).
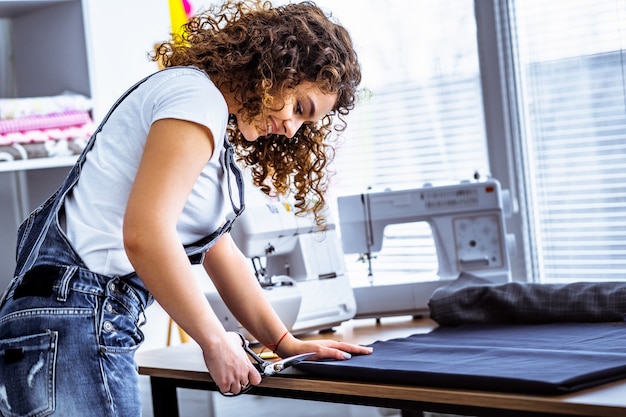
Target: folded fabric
point(545, 359)
point(37, 136)
point(12, 108)
point(49, 149)
point(51, 121)
point(470, 299)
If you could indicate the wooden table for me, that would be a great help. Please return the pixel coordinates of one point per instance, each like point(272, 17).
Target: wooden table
point(183, 367)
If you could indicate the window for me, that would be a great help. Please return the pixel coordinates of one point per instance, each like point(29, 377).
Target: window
point(422, 121)
point(560, 75)
point(569, 70)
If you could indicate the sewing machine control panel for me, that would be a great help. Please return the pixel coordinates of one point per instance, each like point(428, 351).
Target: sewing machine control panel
point(478, 242)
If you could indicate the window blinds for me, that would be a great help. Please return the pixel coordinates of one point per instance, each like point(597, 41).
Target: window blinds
point(571, 71)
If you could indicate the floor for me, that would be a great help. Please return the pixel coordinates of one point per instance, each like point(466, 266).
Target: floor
point(194, 403)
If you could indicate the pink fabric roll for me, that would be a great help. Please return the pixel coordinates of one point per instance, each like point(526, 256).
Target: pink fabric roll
point(52, 121)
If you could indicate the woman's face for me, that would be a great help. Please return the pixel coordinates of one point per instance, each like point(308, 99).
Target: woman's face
point(306, 104)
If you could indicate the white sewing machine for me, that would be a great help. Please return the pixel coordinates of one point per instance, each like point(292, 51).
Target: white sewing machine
point(304, 274)
point(467, 224)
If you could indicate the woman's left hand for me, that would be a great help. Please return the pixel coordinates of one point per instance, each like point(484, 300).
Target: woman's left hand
point(323, 348)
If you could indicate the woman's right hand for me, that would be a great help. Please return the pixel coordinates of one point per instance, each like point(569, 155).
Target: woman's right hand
point(229, 364)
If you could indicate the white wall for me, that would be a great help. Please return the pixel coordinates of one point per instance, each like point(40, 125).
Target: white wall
point(119, 35)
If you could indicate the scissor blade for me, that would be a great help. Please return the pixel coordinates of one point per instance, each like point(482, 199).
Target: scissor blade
point(283, 364)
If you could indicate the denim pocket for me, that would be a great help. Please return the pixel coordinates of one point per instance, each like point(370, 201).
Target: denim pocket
point(27, 375)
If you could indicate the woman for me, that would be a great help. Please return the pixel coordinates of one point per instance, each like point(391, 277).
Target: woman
point(153, 193)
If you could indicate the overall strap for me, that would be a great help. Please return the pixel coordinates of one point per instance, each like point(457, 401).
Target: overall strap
point(234, 168)
point(195, 251)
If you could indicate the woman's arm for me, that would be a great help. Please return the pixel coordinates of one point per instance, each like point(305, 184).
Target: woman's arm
point(243, 295)
point(173, 158)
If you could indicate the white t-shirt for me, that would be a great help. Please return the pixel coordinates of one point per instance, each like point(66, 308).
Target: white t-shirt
point(95, 208)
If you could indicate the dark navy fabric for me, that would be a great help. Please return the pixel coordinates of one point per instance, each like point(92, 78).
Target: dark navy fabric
point(551, 358)
point(470, 299)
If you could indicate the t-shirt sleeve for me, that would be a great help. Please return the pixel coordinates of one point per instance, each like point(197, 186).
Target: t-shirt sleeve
point(188, 94)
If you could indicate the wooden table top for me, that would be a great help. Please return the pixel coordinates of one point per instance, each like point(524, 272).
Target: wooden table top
point(184, 362)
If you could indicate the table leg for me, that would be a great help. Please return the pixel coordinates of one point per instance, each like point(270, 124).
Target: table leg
point(164, 397)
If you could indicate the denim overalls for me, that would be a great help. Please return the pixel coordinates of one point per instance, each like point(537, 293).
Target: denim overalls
point(68, 335)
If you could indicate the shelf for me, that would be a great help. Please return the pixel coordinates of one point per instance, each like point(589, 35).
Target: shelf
point(38, 163)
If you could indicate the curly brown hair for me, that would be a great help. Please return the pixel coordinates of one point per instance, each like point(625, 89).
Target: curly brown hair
point(259, 53)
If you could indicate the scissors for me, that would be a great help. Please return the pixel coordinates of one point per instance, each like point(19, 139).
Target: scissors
point(267, 368)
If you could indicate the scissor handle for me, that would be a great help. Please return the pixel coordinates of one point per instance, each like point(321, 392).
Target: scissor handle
point(259, 363)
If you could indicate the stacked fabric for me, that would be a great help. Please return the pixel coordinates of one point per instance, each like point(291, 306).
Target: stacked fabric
point(38, 127)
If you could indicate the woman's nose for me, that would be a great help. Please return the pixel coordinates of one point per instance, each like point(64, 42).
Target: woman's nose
point(292, 126)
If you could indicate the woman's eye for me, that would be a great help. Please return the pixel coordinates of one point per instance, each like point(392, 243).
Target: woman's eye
point(299, 109)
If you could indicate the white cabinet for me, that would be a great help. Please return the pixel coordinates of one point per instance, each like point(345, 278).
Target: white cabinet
point(93, 47)
point(48, 47)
